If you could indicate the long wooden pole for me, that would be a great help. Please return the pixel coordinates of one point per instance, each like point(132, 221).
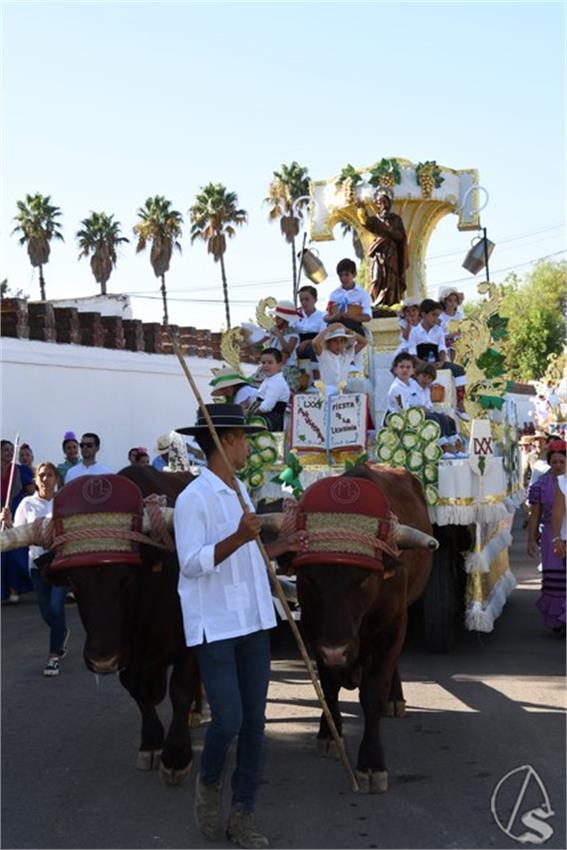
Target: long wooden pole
point(271, 571)
point(11, 478)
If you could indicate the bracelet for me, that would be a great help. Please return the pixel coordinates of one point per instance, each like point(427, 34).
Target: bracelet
point(553, 539)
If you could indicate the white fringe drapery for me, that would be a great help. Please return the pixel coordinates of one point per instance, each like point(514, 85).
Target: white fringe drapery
point(481, 561)
point(480, 616)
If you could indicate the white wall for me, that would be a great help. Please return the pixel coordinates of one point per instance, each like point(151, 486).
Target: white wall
point(128, 398)
point(106, 305)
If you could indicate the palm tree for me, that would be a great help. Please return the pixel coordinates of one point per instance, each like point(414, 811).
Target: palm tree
point(37, 222)
point(99, 238)
point(213, 216)
point(357, 245)
point(161, 226)
point(289, 184)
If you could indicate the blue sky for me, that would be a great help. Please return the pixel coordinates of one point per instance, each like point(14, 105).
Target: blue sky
point(108, 103)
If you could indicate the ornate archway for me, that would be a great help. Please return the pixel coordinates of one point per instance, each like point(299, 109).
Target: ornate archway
point(420, 206)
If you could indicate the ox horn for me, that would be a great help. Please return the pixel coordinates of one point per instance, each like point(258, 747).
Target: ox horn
point(167, 514)
point(20, 535)
point(411, 538)
point(272, 521)
point(26, 535)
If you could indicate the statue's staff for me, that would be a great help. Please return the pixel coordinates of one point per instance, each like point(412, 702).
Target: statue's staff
point(271, 571)
point(11, 478)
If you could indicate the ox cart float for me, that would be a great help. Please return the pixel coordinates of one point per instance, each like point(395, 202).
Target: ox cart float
point(471, 504)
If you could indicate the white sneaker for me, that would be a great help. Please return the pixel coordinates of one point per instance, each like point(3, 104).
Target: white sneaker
point(52, 667)
point(462, 414)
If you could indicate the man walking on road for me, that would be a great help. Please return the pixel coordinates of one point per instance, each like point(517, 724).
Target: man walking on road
point(227, 613)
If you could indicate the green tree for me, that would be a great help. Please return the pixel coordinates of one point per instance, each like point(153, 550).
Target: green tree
point(535, 308)
point(289, 185)
point(37, 222)
point(161, 226)
point(99, 237)
point(214, 215)
point(7, 292)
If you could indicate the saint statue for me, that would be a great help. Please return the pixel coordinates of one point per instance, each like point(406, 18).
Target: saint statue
point(388, 252)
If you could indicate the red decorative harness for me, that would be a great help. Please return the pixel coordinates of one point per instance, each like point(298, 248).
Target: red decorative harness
point(348, 521)
point(97, 520)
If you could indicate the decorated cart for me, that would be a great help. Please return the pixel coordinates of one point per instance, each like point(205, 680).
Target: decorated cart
point(471, 500)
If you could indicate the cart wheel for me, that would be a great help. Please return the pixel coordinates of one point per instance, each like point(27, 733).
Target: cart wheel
point(439, 602)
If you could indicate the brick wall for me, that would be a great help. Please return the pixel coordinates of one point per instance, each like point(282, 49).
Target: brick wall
point(39, 320)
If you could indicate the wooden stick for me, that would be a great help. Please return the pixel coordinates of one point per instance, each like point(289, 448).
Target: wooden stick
point(11, 478)
point(271, 571)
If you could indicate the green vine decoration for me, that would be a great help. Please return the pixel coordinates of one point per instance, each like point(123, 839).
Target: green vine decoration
point(385, 173)
point(348, 180)
point(428, 176)
point(349, 173)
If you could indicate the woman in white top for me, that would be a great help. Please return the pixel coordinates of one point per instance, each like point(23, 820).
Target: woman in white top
point(51, 600)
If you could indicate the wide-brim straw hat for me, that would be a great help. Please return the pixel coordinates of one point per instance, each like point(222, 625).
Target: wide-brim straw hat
point(412, 301)
point(286, 310)
point(223, 416)
point(163, 443)
point(227, 377)
point(338, 332)
point(526, 439)
point(445, 291)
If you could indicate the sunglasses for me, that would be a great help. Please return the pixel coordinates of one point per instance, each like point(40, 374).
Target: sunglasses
point(86, 445)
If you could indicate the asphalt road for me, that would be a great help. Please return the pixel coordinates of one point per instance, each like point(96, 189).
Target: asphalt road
point(494, 704)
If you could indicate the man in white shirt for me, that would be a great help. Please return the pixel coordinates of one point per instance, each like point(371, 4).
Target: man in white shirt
point(89, 446)
point(227, 612)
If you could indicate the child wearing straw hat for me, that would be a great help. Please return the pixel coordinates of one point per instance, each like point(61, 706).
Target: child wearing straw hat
point(450, 300)
point(283, 335)
point(408, 318)
point(336, 348)
point(230, 386)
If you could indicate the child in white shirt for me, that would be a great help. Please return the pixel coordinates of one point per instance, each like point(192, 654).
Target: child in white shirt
point(336, 348)
point(427, 343)
point(402, 393)
point(425, 375)
point(273, 392)
point(450, 301)
point(408, 319)
point(349, 303)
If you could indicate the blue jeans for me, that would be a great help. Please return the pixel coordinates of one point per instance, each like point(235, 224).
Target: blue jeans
point(236, 673)
point(51, 601)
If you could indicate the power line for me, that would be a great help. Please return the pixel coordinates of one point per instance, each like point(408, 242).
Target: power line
point(508, 239)
point(287, 281)
point(508, 269)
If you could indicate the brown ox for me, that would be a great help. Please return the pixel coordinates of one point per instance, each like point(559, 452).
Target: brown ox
point(133, 624)
point(356, 621)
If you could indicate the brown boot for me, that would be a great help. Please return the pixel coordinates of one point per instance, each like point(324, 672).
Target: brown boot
point(207, 808)
point(242, 830)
